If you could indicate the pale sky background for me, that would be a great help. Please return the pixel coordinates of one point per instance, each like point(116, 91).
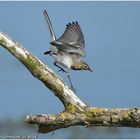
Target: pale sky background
point(112, 37)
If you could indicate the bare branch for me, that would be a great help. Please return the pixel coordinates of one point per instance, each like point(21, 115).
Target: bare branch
point(42, 72)
point(91, 117)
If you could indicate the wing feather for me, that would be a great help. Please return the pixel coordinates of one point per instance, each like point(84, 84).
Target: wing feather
point(73, 35)
point(72, 40)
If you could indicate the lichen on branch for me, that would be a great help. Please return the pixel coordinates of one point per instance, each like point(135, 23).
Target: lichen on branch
point(42, 72)
point(76, 111)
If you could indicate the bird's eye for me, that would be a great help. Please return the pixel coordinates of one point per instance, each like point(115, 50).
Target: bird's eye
point(85, 66)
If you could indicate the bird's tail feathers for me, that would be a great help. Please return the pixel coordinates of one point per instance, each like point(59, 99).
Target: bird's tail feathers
point(49, 25)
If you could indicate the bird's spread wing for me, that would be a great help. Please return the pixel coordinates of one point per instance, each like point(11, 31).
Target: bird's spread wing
point(73, 35)
point(72, 40)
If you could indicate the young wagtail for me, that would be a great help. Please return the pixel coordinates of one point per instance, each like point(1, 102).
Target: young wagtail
point(69, 49)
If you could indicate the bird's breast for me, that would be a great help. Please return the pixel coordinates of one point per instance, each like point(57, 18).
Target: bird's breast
point(64, 60)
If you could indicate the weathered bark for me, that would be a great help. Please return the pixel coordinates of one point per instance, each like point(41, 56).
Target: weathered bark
point(42, 72)
point(90, 117)
point(76, 111)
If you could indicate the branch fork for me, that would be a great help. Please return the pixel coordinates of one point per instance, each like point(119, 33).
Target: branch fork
point(76, 112)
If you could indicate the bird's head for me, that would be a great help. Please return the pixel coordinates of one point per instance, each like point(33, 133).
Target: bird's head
point(85, 66)
point(81, 66)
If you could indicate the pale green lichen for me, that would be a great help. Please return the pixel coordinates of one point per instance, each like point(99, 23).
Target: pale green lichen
point(71, 108)
point(37, 69)
point(2, 42)
point(92, 112)
point(115, 119)
point(126, 116)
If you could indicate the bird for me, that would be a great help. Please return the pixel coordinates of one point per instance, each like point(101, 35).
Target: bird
point(68, 50)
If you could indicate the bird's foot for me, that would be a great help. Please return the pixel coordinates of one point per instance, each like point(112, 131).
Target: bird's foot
point(61, 69)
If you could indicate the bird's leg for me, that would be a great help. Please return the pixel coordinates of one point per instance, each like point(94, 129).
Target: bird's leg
point(71, 83)
point(68, 75)
point(61, 69)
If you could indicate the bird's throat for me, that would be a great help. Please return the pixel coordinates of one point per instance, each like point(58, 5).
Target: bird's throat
point(76, 67)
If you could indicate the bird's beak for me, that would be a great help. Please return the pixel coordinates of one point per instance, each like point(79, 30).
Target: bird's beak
point(90, 70)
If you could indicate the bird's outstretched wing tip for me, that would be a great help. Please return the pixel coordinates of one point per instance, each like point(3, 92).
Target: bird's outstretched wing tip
point(72, 23)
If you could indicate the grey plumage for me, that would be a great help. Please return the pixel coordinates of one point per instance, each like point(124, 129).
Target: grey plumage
point(73, 35)
point(69, 49)
point(72, 40)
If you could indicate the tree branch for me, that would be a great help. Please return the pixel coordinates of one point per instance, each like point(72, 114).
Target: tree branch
point(76, 111)
point(42, 72)
point(89, 118)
